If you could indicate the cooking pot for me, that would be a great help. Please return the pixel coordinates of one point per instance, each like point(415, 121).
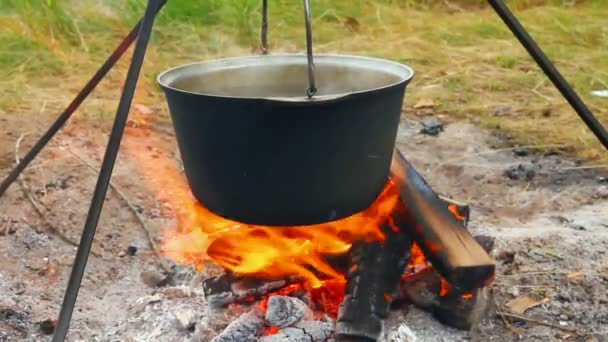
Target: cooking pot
point(257, 149)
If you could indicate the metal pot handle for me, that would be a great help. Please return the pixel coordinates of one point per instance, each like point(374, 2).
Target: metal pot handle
point(264, 30)
point(312, 88)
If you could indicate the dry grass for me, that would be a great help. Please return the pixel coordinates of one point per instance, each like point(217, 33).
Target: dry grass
point(465, 59)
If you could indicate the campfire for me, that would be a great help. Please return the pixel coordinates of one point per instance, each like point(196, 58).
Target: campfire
point(338, 279)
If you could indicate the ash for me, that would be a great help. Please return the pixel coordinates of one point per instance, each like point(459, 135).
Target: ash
point(172, 313)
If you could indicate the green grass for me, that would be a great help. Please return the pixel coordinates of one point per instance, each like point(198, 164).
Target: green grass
point(466, 60)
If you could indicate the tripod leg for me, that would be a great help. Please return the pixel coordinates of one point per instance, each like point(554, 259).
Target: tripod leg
point(71, 108)
point(105, 173)
point(550, 70)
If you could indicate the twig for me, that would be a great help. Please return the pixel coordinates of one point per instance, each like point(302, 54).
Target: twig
point(504, 319)
point(545, 323)
point(131, 207)
point(35, 205)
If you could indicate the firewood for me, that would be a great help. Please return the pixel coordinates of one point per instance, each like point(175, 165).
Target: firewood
point(452, 250)
point(372, 279)
point(220, 291)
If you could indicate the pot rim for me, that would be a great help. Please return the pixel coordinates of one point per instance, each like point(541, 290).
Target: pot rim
point(404, 72)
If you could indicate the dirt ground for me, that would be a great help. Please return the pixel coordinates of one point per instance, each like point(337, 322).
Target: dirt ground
point(551, 227)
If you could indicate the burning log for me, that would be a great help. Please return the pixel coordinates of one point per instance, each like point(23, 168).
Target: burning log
point(456, 309)
point(462, 311)
point(284, 311)
point(375, 272)
point(229, 288)
point(452, 250)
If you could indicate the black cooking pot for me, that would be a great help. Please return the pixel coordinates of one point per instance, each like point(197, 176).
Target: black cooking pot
point(256, 149)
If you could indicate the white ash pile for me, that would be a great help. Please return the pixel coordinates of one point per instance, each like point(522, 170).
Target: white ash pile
point(286, 319)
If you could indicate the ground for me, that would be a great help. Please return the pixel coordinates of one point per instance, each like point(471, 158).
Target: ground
point(552, 238)
point(470, 73)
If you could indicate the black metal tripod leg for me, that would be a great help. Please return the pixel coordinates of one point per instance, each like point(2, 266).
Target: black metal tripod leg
point(105, 173)
point(550, 70)
point(71, 108)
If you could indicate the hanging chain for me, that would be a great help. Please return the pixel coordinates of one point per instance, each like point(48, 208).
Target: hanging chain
point(264, 31)
point(312, 88)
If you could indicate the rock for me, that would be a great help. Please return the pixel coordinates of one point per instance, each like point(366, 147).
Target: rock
point(601, 192)
point(306, 331)
point(401, 334)
point(47, 326)
point(431, 126)
point(131, 250)
point(520, 172)
point(186, 317)
point(284, 311)
point(248, 327)
point(602, 180)
point(521, 152)
point(154, 278)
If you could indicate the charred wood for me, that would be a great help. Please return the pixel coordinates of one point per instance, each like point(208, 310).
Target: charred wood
point(305, 331)
point(452, 250)
point(462, 311)
point(229, 288)
point(375, 272)
point(456, 309)
point(248, 327)
point(283, 311)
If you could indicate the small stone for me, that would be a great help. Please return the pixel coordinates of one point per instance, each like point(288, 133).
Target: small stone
point(154, 278)
point(186, 317)
point(563, 317)
point(602, 180)
point(431, 126)
point(601, 192)
point(131, 250)
point(122, 254)
point(47, 326)
point(521, 152)
point(520, 172)
point(284, 311)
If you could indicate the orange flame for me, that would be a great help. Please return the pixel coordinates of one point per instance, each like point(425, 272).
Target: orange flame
point(201, 236)
point(454, 210)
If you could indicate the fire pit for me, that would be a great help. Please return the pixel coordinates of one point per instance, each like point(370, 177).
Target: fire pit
point(296, 191)
point(340, 279)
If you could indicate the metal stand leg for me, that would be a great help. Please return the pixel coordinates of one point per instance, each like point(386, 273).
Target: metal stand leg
point(550, 70)
point(105, 173)
point(73, 106)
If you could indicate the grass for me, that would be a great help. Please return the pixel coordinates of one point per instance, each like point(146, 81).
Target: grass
point(465, 58)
